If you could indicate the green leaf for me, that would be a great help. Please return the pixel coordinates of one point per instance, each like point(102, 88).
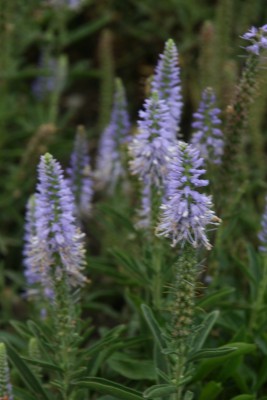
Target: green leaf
point(159, 390)
point(137, 270)
point(132, 369)
point(21, 329)
point(210, 353)
point(110, 337)
point(205, 329)
point(206, 366)
point(213, 298)
point(210, 391)
point(22, 394)
point(26, 374)
point(154, 326)
point(108, 387)
point(244, 397)
point(189, 395)
point(43, 364)
point(86, 30)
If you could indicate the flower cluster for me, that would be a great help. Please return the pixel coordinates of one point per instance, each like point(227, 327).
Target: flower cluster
point(208, 138)
point(55, 246)
point(109, 162)
point(80, 176)
point(258, 39)
point(167, 83)
point(186, 212)
point(5, 385)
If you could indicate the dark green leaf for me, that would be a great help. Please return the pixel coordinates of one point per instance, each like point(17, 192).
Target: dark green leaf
point(26, 374)
point(210, 353)
point(108, 387)
point(205, 329)
point(86, 30)
point(154, 326)
point(43, 364)
point(213, 298)
point(159, 390)
point(132, 369)
point(210, 391)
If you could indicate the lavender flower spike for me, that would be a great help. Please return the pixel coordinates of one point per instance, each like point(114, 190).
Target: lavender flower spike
point(152, 147)
point(58, 247)
point(109, 166)
point(208, 137)
point(80, 176)
point(5, 385)
point(258, 39)
point(263, 233)
point(186, 212)
point(167, 83)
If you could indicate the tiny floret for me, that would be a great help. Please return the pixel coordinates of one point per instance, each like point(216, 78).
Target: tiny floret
point(257, 38)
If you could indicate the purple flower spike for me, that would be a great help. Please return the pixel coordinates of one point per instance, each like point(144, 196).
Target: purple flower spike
point(208, 137)
point(55, 246)
point(186, 212)
point(151, 149)
point(258, 39)
point(168, 84)
point(80, 176)
point(109, 166)
point(263, 233)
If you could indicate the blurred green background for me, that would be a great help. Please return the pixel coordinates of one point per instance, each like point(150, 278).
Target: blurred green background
point(90, 45)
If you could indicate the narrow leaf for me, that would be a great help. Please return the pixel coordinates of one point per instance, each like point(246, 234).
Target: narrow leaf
point(211, 353)
point(108, 387)
point(26, 374)
point(159, 390)
point(204, 331)
point(153, 325)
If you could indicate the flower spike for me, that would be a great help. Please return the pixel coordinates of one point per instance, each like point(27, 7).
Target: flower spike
point(186, 212)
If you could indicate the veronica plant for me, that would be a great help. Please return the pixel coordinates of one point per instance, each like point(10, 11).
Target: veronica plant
point(207, 136)
point(185, 217)
point(109, 166)
point(238, 112)
point(80, 175)
point(167, 83)
point(55, 256)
